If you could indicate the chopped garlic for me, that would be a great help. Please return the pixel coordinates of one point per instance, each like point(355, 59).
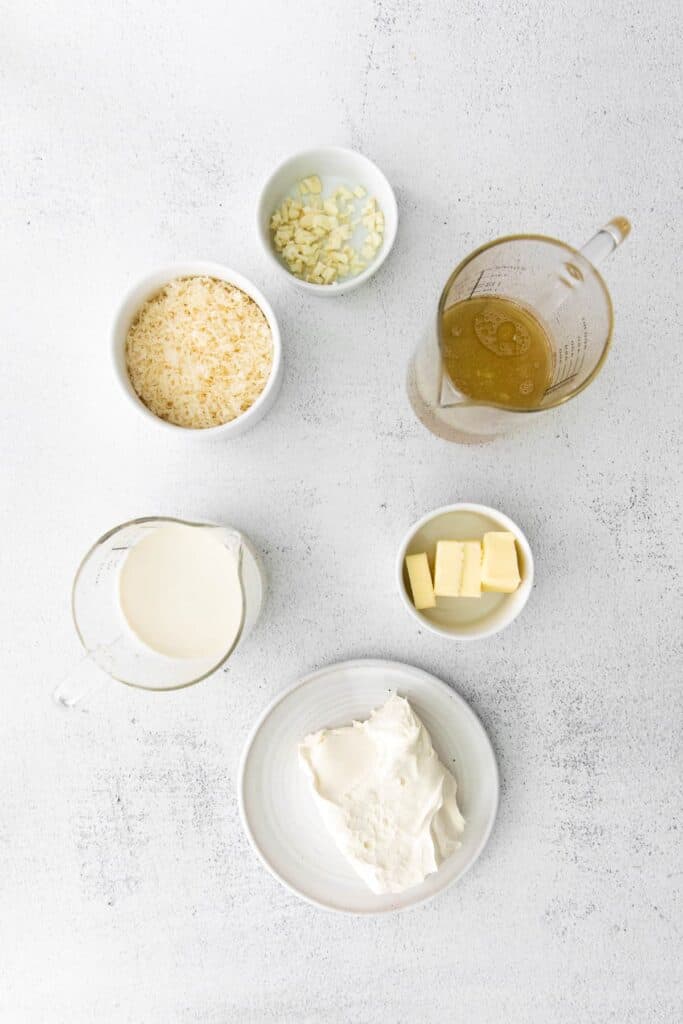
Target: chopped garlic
point(312, 233)
point(312, 185)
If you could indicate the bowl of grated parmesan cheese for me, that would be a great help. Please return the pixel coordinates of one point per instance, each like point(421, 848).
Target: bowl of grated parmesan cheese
point(197, 350)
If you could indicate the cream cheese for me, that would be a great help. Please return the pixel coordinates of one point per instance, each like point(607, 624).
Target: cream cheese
point(384, 796)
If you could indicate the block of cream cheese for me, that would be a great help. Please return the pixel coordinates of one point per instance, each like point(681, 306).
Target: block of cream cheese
point(457, 571)
point(420, 578)
point(384, 796)
point(500, 570)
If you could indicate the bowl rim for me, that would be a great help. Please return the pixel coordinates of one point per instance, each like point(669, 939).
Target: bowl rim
point(524, 589)
point(390, 223)
point(156, 279)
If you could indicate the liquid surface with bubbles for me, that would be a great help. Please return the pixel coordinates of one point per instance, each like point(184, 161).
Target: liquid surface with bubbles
point(495, 351)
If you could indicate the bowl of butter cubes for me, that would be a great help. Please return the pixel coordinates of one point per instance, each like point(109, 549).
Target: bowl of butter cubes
point(327, 219)
point(465, 571)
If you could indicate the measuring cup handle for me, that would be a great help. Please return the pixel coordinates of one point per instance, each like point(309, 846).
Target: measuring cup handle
point(606, 240)
point(85, 677)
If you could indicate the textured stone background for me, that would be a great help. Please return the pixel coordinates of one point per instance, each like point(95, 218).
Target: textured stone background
point(134, 134)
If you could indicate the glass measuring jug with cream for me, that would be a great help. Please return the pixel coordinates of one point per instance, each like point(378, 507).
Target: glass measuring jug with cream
point(161, 603)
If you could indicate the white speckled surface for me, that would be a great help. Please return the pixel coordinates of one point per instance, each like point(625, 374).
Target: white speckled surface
point(137, 134)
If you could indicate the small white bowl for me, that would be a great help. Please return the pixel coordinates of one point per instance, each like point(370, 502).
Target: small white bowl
point(465, 618)
point(146, 289)
point(335, 166)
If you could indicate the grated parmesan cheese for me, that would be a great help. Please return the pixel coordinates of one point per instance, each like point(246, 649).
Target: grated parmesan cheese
point(199, 353)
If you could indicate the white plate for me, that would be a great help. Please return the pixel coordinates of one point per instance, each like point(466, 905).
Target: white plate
point(276, 806)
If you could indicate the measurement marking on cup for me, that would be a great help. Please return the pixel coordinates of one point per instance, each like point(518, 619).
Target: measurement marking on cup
point(559, 384)
point(476, 284)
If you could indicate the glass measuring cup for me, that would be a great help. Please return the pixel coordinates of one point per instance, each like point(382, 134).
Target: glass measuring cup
point(561, 288)
point(112, 649)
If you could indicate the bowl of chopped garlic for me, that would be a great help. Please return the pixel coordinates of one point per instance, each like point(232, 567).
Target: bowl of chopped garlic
point(327, 219)
point(196, 349)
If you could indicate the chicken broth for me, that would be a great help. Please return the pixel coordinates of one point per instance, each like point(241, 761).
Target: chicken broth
point(495, 351)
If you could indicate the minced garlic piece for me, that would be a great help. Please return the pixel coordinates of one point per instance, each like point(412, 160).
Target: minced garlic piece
point(312, 185)
point(199, 353)
point(313, 234)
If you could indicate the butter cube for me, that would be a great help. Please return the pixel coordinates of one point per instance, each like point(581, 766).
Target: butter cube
point(470, 585)
point(458, 568)
point(500, 570)
point(420, 581)
point(450, 557)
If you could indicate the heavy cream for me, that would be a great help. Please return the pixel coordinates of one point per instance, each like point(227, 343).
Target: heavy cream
point(180, 592)
point(384, 796)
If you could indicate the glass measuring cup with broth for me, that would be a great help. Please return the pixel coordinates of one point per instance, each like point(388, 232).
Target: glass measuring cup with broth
point(523, 324)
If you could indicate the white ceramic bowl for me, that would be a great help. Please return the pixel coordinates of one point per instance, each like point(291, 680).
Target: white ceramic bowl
point(148, 287)
point(465, 618)
point(335, 166)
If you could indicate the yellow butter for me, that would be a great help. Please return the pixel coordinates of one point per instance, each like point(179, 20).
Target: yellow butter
point(500, 569)
point(457, 571)
point(420, 581)
point(450, 557)
point(470, 585)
